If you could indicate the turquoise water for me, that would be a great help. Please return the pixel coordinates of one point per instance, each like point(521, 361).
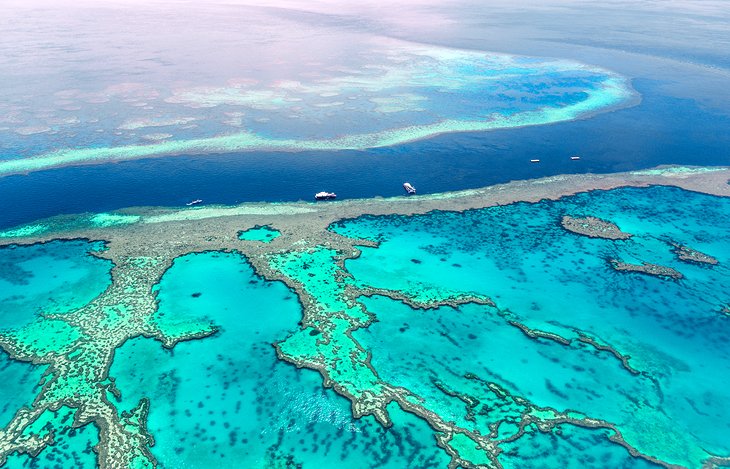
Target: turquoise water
point(265, 234)
point(20, 384)
point(574, 448)
point(227, 400)
point(73, 446)
point(474, 341)
point(55, 277)
point(561, 282)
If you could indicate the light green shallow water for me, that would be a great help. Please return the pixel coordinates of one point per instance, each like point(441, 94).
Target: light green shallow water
point(227, 400)
point(558, 281)
point(400, 92)
point(55, 277)
point(264, 234)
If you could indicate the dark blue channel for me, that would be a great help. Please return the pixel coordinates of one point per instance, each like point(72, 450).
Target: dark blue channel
point(660, 130)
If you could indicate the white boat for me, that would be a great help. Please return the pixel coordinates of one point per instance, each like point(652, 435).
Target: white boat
point(574, 158)
point(409, 188)
point(534, 161)
point(194, 202)
point(325, 195)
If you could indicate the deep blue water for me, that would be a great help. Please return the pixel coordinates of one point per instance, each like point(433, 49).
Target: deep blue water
point(660, 130)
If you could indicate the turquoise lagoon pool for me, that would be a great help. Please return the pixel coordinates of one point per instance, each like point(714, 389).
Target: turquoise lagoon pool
point(227, 399)
point(555, 281)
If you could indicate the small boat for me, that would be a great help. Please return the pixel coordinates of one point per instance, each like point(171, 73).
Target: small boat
point(194, 202)
point(574, 158)
point(534, 161)
point(325, 195)
point(409, 188)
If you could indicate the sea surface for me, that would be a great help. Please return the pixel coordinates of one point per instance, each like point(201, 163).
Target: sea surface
point(227, 399)
point(645, 353)
point(151, 88)
point(556, 281)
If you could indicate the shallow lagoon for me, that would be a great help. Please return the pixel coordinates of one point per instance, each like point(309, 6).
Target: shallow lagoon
point(538, 274)
point(228, 400)
point(73, 447)
point(560, 282)
point(56, 277)
point(264, 234)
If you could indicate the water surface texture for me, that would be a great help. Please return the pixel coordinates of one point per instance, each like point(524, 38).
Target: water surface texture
point(55, 277)
point(325, 96)
point(575, 317)
point(553, 280)
point(522, 344)
point(398, 92)
point(228, 400)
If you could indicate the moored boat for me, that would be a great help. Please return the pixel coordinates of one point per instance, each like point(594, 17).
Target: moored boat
point(409, 188)
point(195, 202)
point(325, 195)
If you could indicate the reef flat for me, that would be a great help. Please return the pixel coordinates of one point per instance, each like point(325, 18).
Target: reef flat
point(352, 107)
point(593, 227)
point(399, 317)
point(686, 253)
point(647, 268)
